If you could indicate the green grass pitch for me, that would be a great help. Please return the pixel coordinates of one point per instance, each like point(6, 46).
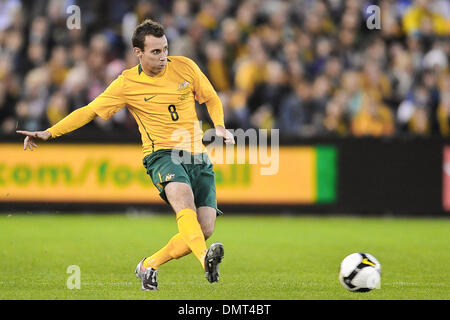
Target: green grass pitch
point(266, 257)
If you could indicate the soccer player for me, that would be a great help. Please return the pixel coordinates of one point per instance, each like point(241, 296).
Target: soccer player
point(160, 93)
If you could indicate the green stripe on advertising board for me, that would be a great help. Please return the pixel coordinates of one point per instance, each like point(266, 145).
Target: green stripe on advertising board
point(326, 163)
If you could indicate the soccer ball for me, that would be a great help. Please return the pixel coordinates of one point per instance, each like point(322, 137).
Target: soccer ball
point(360, 272)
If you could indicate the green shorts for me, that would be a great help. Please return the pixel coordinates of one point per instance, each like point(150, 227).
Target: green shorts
point(169, 165)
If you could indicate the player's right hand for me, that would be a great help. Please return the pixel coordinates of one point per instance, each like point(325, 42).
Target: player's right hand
point(32, 136)
point(225, 134)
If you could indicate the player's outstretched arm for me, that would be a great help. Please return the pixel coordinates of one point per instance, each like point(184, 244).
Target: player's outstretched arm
point(73, 121)
point(32, 136)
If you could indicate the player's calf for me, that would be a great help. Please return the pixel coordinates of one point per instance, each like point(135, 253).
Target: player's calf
point(207, 218)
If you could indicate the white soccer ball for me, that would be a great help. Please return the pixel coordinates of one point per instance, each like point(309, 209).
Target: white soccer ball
point(360, 272)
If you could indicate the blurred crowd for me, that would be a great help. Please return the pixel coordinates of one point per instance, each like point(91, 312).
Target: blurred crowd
point(306, 67)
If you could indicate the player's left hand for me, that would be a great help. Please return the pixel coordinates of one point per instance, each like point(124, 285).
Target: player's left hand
point(225, 134)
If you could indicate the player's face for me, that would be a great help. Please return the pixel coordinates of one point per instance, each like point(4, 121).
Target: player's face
point(154, 57)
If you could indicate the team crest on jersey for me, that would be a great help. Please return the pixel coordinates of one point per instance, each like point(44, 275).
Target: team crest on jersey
point(169, 176)
point(183, 86)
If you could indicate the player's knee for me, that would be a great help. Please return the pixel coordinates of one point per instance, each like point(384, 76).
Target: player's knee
point(180, 196)
point(207, 230)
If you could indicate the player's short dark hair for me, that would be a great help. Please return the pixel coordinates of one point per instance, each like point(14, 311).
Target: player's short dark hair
point(147, 27)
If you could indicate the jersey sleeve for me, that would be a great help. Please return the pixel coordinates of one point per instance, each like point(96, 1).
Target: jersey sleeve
point(215, 110)
point(205, 93)
point(109, 101)
point(73, 121)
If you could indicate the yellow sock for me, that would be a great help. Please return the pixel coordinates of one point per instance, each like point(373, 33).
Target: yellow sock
point(192, 234)
point(175, 249)
point(178, 247)
point(157, 259)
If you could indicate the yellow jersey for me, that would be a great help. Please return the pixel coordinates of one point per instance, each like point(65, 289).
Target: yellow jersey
point(163, 105)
